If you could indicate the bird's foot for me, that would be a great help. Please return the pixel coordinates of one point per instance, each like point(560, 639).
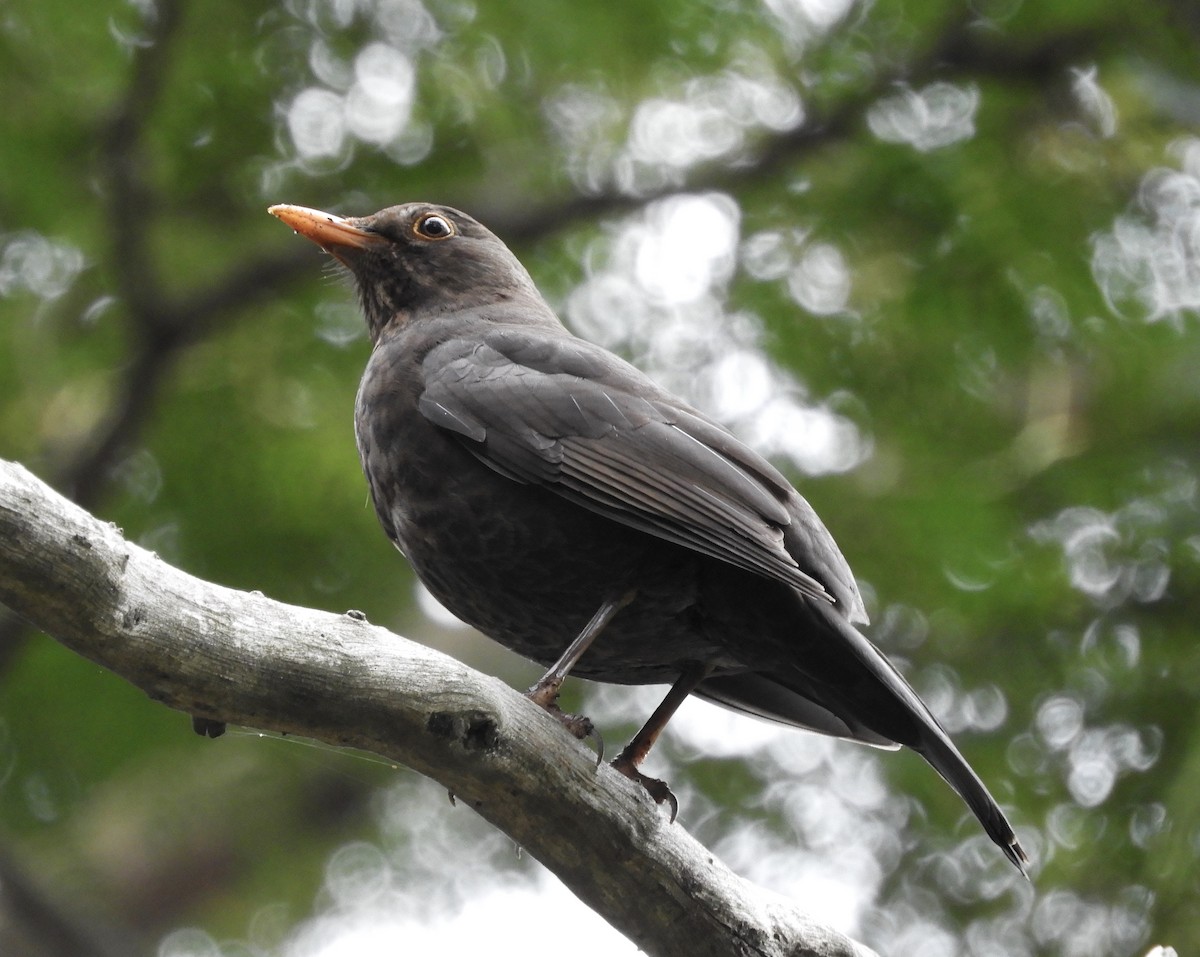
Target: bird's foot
point(579, 725)
point(545, 694)
point(656, 788)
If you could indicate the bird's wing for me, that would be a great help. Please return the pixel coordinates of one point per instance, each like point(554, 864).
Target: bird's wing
point(559, 412)
point(765, 697)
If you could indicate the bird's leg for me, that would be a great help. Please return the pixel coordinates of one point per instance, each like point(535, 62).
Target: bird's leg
point(545, 692)
point(639, 746)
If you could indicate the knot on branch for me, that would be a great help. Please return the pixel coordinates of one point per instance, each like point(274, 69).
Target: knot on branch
point(474, 730)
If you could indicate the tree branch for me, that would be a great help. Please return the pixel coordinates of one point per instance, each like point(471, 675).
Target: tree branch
point(240, 657)
point(962, 51)
point(123, 166)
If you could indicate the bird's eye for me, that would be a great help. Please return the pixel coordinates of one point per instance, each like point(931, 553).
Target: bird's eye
point(434, 226)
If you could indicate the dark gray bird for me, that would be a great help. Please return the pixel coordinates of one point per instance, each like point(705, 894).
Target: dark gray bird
point(554, 497)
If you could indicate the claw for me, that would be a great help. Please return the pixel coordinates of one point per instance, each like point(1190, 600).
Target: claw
point(596, 738)
point(579, 725)
point(656, 788)
point(583, 728)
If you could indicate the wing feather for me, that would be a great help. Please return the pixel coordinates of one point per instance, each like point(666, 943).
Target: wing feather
point(571, 417)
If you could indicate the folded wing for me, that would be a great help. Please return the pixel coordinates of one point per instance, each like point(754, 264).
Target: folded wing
point(571, 417)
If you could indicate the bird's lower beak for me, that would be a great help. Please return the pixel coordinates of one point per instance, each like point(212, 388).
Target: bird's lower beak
point(334, 234)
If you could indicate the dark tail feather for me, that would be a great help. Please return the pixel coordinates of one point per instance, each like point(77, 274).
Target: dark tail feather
point(940, 752)
point(910, 722)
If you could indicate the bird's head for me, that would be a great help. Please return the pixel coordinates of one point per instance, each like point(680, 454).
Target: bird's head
point(419, 260)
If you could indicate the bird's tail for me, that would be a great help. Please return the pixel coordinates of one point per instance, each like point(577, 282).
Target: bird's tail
point(940, 752)
point(906, 719)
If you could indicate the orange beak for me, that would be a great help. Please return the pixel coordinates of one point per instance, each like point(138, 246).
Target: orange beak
point(332, 233)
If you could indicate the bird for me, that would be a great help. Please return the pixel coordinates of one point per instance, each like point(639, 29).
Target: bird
point(553, 496)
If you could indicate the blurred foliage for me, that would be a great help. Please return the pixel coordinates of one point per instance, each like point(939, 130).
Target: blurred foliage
point(961, 277)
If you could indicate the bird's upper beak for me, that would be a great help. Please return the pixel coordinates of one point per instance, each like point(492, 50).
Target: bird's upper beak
point(335, 234)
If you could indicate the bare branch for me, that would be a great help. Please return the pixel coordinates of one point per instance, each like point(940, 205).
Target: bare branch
point(85, 475)
point(124, 167)
point(961, 52)
point(241, 657)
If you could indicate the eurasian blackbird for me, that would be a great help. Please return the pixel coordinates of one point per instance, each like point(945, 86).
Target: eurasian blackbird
point(550, 494)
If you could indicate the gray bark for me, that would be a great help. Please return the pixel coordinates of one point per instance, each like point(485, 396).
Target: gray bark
point(242, 658)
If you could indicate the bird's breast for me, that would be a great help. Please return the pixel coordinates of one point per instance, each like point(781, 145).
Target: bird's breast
point(523, 565)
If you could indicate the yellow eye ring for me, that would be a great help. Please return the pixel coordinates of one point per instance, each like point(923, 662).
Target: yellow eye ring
point(434, 226)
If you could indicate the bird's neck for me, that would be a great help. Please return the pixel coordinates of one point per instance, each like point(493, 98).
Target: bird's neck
point(441, 323)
